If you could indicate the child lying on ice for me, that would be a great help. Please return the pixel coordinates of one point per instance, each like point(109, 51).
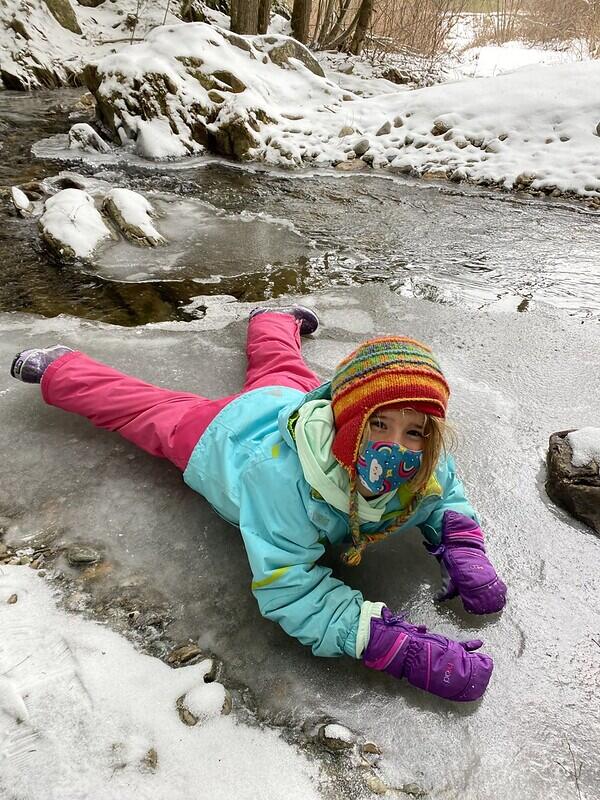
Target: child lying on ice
point(296, 463)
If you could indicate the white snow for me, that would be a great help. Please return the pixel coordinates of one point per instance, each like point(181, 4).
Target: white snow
point(104, 30)
point(585, 444)
point(205, 700)
point(71, 217)
point(155, 141)
point(491, 60)
point(335, 731)
point(93, 709)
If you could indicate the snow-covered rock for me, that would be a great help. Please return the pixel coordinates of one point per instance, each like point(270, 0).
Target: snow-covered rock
point(212, 88)
point(43, 44)
point(71, 225)
point(534, 129)
point(64, 14)
point(133, 214)
point(573, 473)
point(83, 137)
point(20, 200)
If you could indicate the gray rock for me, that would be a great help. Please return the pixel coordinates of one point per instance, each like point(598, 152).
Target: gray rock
point(80, 554)
point(396, 75)
point(90, 3)
point(346, 130)
point(385, 129)
point(18, 27)
point(63, 13)
point(440, 127)
point(361, 147)
point(576, 489)
point(280, 49)
point(149, 762)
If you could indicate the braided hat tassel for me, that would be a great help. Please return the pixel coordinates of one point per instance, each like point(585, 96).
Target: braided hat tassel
point(353, 555)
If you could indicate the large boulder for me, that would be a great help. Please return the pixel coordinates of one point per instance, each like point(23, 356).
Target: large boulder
point(207, 88)
point(63, 13)
point(576, 488)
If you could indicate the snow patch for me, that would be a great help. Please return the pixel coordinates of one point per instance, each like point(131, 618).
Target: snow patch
point(585, 444)
point(101, 714)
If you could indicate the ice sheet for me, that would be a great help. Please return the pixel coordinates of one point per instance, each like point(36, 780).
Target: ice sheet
point(516, 378)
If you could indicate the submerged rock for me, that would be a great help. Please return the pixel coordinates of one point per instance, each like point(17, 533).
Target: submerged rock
point(576, 488)
point(80, 554)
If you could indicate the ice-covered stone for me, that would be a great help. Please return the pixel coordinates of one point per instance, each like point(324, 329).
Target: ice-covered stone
point(83, 137)
point(133, 213)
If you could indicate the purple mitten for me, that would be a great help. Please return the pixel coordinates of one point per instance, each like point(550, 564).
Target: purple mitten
point(466, 569)
point(438, 665)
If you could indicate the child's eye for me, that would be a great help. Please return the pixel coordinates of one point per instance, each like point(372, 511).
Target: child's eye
point(418, 434)
point(377, 423)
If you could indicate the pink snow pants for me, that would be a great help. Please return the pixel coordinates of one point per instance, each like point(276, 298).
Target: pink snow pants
point(165, 423)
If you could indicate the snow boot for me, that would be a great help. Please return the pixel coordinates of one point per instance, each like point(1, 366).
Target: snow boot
point(29, 365)
point(309, 321)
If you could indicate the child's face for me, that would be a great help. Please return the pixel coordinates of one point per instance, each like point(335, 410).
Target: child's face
point(401, 425)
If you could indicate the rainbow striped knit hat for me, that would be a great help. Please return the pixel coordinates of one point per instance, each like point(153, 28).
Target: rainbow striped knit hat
point(392, 370)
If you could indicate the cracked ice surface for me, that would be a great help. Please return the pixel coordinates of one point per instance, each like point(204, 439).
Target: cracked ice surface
point(516, 378)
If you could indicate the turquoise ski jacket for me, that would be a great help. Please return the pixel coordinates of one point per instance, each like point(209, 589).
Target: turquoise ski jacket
point(247, 467)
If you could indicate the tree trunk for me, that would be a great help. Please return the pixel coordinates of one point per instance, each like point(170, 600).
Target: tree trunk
point(334, 33)
point(301, 19)
point(264, 15)
point(362, 26)
point(244, 16)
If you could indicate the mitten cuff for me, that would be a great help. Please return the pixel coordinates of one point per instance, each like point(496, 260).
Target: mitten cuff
point(458, 529)
point(367, 612)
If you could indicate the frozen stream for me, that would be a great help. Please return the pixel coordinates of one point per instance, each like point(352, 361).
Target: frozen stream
point(513, 384)
point(516, 378)
point(255, 234)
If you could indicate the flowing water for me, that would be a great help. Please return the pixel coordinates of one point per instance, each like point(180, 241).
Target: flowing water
point(256, 234)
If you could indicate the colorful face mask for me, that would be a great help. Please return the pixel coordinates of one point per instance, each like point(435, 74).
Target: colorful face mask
point(384, 466)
